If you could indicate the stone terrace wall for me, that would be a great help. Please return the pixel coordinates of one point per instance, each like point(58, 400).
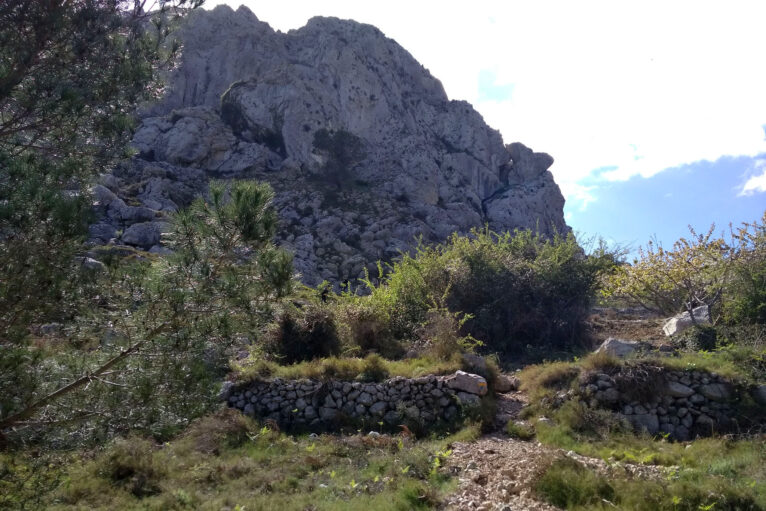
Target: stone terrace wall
point(426, 402)
point(683, 404)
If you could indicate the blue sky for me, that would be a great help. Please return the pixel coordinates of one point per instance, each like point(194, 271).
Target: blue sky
point(654, 111)
point(631, 212)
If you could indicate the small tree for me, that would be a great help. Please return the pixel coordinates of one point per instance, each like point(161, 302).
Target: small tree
point(694, 272)
point(71, 75)
point(170, 322)
point(747, 288)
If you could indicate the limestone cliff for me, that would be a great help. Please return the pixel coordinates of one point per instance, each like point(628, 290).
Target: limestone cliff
point(360, 142)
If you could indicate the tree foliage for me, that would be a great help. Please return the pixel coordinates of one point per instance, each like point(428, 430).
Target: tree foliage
point(71, 75)
point(135, 344)
point(724, 273)
point(161, 329)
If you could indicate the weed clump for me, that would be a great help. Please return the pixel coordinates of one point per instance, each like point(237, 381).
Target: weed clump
point(567, 484)
point(519, 430)
point(374, 368)
point(130, 463)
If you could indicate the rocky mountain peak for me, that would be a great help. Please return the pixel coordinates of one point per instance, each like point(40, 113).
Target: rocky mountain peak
point(360, 142)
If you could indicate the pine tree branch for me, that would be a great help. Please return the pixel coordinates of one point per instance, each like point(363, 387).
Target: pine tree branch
point(66, 389)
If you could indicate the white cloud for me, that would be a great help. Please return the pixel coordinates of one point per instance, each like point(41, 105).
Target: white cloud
point(641, 86)
point(756, 183)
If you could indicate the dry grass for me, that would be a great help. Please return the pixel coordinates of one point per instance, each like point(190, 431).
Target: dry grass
point(540, 380)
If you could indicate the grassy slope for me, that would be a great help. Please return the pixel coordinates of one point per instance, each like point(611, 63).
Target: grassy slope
point(226, 461)
point(711, 473)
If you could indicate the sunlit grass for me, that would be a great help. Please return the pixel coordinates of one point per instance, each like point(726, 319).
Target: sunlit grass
point(229, 461)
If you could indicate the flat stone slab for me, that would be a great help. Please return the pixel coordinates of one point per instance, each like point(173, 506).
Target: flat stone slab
point(620, 348)
point(467, 382)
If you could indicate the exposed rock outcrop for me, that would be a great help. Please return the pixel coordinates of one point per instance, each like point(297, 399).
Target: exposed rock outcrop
point(360, 142)
point(684, 321)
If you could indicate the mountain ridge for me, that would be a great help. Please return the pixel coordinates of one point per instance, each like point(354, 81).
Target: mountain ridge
point(364, 149)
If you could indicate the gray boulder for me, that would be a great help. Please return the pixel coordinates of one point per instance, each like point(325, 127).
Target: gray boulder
point(620, 348)
point(378, 408)
point(468, 400)
point(327, 414)
point(506, 383)
point(466, 382)
point(102, 232)
point(676, 389)
point(644, 422)
point(683, 321)
point(716, 391)
point(144, 235)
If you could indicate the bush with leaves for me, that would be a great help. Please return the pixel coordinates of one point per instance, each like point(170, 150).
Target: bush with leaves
point(305, 333)
point(71, 76)
point(505, 290)
point(169, 323)
point(746, 289)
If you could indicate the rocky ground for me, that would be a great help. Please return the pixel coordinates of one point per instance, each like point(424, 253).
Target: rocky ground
point(498, 472)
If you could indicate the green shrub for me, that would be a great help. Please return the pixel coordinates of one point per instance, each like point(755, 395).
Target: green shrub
point(568, 484)
point(728, 274)
point(374, 368)
point(441, 333)
point(304, 333)
point(519, 430)
point(130, 463)
point(747, 288)
point(366, 328)
point(515, 292)
point(697, 338)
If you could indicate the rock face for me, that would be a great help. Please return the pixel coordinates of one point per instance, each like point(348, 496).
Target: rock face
point(360, 142)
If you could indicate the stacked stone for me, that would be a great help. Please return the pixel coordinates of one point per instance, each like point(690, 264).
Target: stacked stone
point(691, 403)
point(427, 400)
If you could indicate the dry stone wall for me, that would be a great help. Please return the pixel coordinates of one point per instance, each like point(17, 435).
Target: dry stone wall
point(425, 402)
point(682, 404)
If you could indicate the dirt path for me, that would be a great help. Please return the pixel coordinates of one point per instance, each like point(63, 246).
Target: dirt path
point(497, 473)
